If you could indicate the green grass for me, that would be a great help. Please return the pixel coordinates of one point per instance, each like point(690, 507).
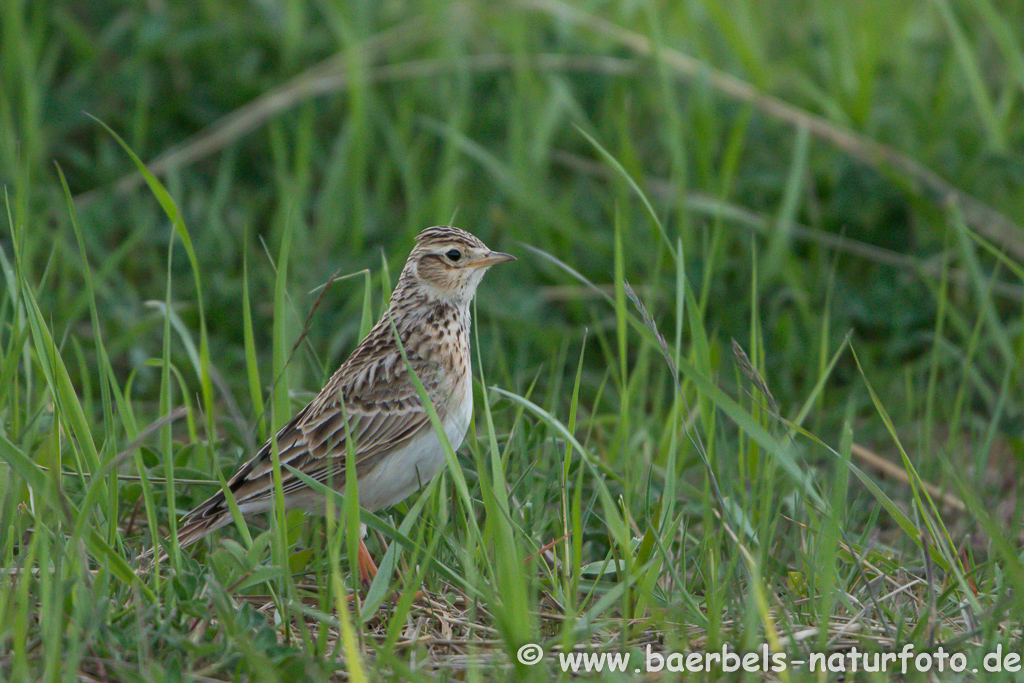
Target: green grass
point(718, 208)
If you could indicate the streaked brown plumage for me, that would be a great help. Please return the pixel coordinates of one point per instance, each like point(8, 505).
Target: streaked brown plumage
point(396, 448)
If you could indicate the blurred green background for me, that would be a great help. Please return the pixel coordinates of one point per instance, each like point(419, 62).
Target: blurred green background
point(358, 124)
point(789, 174)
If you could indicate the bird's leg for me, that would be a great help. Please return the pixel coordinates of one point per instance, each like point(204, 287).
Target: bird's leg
point(367, 568)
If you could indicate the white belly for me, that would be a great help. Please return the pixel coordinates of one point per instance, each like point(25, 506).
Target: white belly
point(401, 473)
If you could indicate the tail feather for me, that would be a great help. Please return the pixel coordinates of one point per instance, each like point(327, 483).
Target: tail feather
point(189, 533)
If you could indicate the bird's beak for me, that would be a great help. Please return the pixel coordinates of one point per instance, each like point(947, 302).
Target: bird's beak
point(493, 258)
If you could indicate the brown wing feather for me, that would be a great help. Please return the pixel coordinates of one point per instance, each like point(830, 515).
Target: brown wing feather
point(384, 413)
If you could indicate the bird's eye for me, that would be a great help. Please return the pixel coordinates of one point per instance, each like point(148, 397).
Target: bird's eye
point(454, 255)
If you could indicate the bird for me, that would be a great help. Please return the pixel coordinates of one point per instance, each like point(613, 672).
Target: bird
point(395, 446)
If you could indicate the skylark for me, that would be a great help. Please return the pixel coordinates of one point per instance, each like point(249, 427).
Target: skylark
point(396, 448)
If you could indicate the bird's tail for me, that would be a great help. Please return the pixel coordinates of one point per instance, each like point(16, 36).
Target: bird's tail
point(190, 532)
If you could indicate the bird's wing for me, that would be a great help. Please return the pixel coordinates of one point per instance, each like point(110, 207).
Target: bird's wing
point(314, 442)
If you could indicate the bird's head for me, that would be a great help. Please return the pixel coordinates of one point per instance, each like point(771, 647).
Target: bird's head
point(447, 264)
